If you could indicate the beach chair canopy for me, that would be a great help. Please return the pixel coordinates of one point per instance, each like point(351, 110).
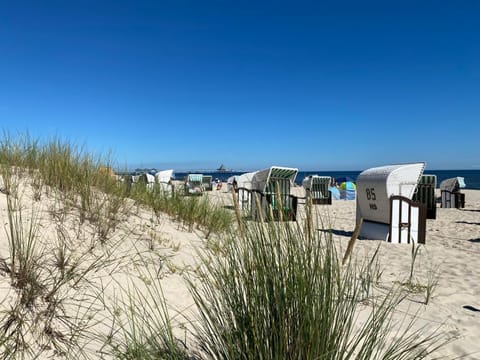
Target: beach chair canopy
point(375, 186)
point(245, 180)
point(452, 184)
point(145, 178)
point(164, 176)
point(265, 180)
point(232, 179)
point(195, 178)
point(313, 181)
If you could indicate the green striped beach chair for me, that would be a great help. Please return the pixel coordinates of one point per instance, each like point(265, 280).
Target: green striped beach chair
point(425, 194)
point(272, 188)
point(194, 184)
point(316, 189)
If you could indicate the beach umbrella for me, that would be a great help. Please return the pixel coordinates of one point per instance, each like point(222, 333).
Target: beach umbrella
point(344, 179)
point(347, 185)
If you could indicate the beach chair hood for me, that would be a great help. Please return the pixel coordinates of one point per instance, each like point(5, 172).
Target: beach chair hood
point(375, 186)
point(262, 178)
point(245, 180)
point(164, 176)
point(311, 180)
point(198, 178)
point(452, 184)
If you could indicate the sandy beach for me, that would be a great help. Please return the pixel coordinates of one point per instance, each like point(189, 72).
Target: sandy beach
point(451, 254)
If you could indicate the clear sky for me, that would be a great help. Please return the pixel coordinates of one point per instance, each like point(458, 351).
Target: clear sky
point(318, 85)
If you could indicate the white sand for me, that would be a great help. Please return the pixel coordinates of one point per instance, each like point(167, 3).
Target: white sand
point(452, 248)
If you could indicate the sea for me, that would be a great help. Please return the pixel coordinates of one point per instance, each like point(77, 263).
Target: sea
point(471, 177)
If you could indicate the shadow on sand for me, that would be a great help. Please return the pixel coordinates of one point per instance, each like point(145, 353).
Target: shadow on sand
point(473, 210)
point(467, 222)
point(337, 232)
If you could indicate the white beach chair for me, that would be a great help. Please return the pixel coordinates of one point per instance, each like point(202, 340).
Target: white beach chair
point(164, 180)
point(144, 179)
point(244, 190)
point(384, 202)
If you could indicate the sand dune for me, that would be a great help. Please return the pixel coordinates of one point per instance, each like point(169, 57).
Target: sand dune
point(451, 254)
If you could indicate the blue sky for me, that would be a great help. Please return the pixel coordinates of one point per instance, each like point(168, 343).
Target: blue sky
point(318, 85)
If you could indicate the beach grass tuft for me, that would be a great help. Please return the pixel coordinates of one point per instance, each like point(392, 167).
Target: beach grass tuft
point(281, 293)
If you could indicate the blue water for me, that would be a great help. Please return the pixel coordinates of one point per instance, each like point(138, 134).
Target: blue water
point(472, 177)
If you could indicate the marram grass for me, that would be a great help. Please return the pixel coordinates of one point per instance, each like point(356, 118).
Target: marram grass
point(271, 291)
point(280, 293)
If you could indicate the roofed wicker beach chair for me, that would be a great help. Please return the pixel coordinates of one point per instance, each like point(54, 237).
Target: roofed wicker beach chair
point(194, 184)
point(164, 180)
point(450, 192)
point(425, 194)
point(316, 189)
point(272, 189)
point(145, 179)
point(242, 185)
point(207, 182)
point(232, 182)
point(385, 208)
